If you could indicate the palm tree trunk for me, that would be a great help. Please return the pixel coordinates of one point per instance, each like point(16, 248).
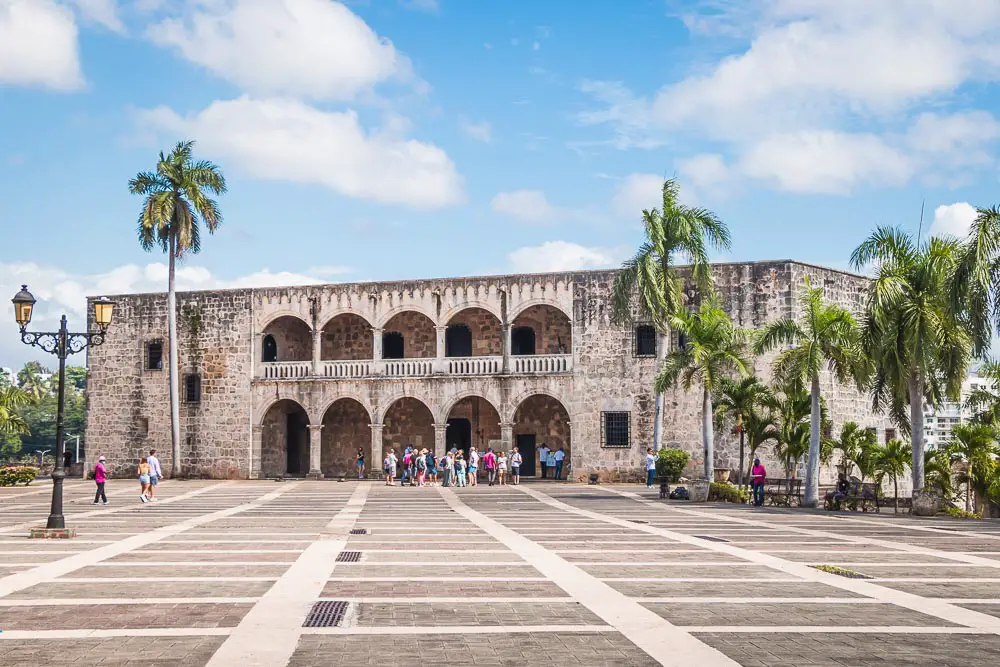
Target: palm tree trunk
point(968, 489)
point(708, 435)
point(175, 408)
point(916, 389)
point(661, 354)
point(895, 495)
point(811, 497)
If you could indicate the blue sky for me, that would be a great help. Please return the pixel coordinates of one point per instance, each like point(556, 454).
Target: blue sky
point(385, 139)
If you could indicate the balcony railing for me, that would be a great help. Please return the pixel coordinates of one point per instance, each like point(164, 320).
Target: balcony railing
point(409, 367)
point(473, 365)
point(542, 363)
point(456, 366)
point(346, 369)
point(286, 370)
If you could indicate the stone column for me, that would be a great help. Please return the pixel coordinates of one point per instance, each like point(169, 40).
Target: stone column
point(506, 347)
point(377, 453)
point(440, 442)
point(317, 350)
point(568, 461)
point(315, 451)
point(256, 445)
point(439, 362)
point(506, 436)
point(378, 366)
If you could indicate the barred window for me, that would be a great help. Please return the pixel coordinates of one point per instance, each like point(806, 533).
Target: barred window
point(615, 429)
point(154, 355)
point(890, 434)
point(645, 341)
point(192, 388)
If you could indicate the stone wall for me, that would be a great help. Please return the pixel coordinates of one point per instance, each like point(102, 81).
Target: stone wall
point(419, 336)
point(546, 419)
point(487, 335)
point(347, 336)
point(407, 422)
point(346, 429)
point(483, 418)
point(293, 338)
point(285, 427)
point(553, 330)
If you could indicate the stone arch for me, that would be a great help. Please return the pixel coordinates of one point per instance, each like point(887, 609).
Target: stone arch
point(540, 419)
point(450, 403)
point(407, 421)
point(396, 310)
point(471, 419)
point(346, 336)
point(531, 303)
point(346, 429)
point(278, 314)
point(486, 328)
point(516, 401)
point(553, 329)
point(345, 311)
point(284, 439)
point(469, 304)
point(292, 337)
point(418, 332)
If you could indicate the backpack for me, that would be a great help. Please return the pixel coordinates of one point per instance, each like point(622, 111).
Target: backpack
point(680, 493)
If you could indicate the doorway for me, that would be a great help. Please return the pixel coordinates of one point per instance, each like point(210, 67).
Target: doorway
point(522, 341)
point(270, 351)
point(296, 444)
point(526, 447)
point(459, 436)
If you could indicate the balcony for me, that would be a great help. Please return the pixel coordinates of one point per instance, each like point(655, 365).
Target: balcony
point(541, 364)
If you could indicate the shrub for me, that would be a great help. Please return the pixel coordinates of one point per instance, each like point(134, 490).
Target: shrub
point(670, 464)
point(959, 513)
point(841, 571)
point(14, 475)
point(729, 493)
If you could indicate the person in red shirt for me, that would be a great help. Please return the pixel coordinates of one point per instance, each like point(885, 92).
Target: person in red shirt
point(758, 476)
point(490, 463)
point(100, 477)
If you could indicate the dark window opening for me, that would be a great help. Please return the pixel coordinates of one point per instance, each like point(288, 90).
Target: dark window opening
point(615, 429)
point(154, 355)
point(392, 345)
point(522, 341)
point(890, 434)
point(682, 341)
point(192, 388)
point(270, 351)
point(645, 340)
point(458, 341)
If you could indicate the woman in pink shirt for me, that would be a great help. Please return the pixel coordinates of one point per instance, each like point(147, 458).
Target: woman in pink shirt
point(758, 475)
point(490, 463)
point(100, 477)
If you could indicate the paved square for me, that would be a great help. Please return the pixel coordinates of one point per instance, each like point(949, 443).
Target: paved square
point(224, 573)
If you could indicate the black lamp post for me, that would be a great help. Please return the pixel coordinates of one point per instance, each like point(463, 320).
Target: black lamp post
point(62, 344)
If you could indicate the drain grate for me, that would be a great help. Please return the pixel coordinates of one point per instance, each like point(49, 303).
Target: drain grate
point(359, 531)
point(710, 538)
point(349, 557)
point(327, 614)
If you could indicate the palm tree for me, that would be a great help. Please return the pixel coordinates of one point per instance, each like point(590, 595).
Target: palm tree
point(937, 472)
point(891, 459)
point(715, 349)
point(12, 399)
point(975, 287)
point(792, 441)
point(649, 284)
point(917, 341)
point(855, 445)
point(976, 445)
point(743, 399)
point(176, 202)
point(32, 379)
point(824, 337)
point(984, 402)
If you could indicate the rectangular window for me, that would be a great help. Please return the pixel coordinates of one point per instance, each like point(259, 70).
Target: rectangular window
point(154, 355)
point(890, 434)
point(192, 388)
point(615, 429)
point(645, 341)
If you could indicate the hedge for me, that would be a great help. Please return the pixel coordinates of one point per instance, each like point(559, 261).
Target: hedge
point(14, 475)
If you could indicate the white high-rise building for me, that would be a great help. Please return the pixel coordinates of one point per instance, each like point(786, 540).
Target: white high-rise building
point(938, 422)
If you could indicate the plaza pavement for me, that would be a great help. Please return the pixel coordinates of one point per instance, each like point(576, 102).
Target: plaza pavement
point(225, 573)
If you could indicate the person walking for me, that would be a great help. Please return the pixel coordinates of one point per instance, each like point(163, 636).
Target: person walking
point(460, 470)
point(100, 477)
point(432, 471)
point(421, 466)
point(360, 463)
point(515, 466)
point(473, 466)
point(502, 468)
point(407, 457)
point(389, 464)
point(543, 459)
point(490, 463)
point(155, 473)
point(446, 469)
point(650, 467)
point(758, 477)
point(559, 456)
point(143, 474)
point(550, 463)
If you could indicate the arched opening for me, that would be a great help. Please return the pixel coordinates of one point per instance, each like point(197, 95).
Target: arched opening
point(473, 421)
point(409, 335)
point(458, 341)
point(542, 420)
point(285, 440)
point(291, 340)
point(270, 351)
point(346, 429)
point(347, 337)
point(553, 332)
point(522, 341)
point(407, 422)
point(485, 331)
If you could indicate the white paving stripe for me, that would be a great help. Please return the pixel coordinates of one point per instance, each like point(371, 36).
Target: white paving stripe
point(929, 606)
point(467, 630)
point(21, 635)
point(270, 631)
point(834, 629)
point(69, 602)
point(159, 580)
point(664, 642)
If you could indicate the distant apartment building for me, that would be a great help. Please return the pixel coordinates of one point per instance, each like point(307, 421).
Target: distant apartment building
point(939, 421)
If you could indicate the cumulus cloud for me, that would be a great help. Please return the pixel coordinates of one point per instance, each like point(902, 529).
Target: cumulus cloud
point(103, 12)
point(285, 140)
point(635, 193)
point(953, 219)
point(479, 131)
point(526, 206)
point(38, 45)
point(562, 256)
point(309, 48)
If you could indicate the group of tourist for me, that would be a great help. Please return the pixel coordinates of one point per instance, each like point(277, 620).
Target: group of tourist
point(421, 467)
point(148, 472)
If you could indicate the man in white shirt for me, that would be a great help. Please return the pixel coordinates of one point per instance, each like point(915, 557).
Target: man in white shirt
point(560, 455)
point(543, 455)
point(650, 468)
point(155, 473)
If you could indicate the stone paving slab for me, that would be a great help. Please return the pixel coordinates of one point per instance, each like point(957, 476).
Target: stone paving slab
point(471, 569)
point(625, 556)
point(683, 571)
point(404, 614)
point(991, 609)
point(431, 557)
point(111, 616)
point(223, 570)
point(156, 556)
point(139, 589)
point(456, 588)
point(947, 589)
point(796, 614)
point(111, 652)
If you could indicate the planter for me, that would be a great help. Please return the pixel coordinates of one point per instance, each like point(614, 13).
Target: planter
point(926, 502)
point(722, 475)
point(699, 490)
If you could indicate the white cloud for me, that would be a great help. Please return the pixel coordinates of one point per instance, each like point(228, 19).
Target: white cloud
point(705, 170)
point(562, 256)
point(310, 48)
point(328, 271)
point(960, 138)
point(285, 140)
point(636, 193)
point(104, 12)
point(38, 45)
point(479, 131)
point(526, 206)
point(953, 220)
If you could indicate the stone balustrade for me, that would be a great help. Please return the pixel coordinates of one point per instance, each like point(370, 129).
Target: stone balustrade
point(286, 370)
point(346, 369)
point(473, 365)
point(422, 367)
point(542, 363)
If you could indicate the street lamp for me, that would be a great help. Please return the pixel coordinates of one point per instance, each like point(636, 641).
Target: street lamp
point(62, 344)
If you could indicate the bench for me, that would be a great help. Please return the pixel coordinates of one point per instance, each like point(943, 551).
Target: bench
point(783, 491)
point(859, 494)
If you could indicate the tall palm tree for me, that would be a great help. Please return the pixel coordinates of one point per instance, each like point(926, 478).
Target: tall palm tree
point(975, 445)
point(714, 349)
point(937, 472)
point(975, 288)
point(856, 444)
point(984, 402)
point(12, 399)
point(176, 202)
point(891, 459)
point(760, 427)
point(32, 379)
point(824, 337)
point(917, 341)
point(742, 399)
point(650, 285)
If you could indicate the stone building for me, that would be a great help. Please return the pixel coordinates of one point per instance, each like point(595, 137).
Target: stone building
point(296, 380)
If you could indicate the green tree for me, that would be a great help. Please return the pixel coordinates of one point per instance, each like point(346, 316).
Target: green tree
point(915, 338)
point(760, 427)
point(824, 337)
point(12, 423)
point(714, 349)
point(976, 446)
point(34, 380)
point(176, 202)
point(742, 400)
point(856, 445)
point(650, 285)
point(975, 284)
point(937, 472)
point(40, 418)
point(76, 378)
point(984, 402)
point(891, 460)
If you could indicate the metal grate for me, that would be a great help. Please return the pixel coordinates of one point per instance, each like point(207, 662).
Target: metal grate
point(327, 614)
point(710, 538)
point(349, 557)
point(359, 531)
point(615, 429)
point(645, 341)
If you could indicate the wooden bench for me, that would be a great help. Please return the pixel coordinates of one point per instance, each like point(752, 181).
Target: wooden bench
point(859, 494)
point(783, 491)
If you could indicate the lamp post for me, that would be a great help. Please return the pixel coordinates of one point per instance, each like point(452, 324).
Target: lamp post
point(61, 343)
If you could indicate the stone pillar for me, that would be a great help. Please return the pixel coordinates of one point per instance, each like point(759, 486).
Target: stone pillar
point(377, 363)
point(317, 347)
point(377, 453)
point(506, 347)
point(440, 364)
point(315, 451)
point(568, 461)
point(506, 436)
point(256, 445)
point(440, 442)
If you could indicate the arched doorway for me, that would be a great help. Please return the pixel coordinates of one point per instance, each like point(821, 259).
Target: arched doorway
point(473, 421)
point(346, 337)
point(485, 332)
point(285, 440)
point(551, 330)
point(541, 420)
point(409, 335)
point(290, 340)
point(270, 351)
point(408, 421)
point(346, 429)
